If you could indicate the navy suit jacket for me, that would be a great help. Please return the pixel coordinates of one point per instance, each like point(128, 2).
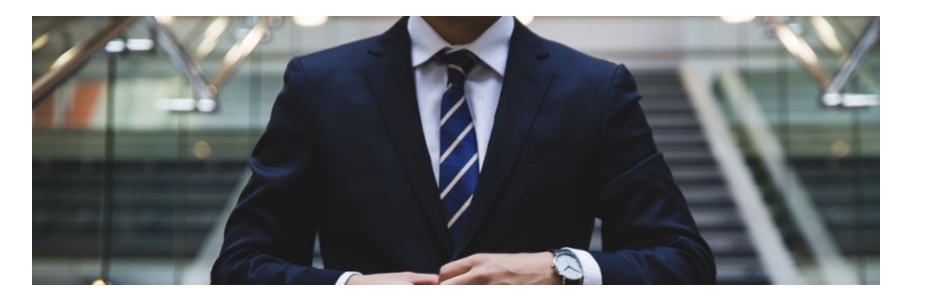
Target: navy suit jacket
point(344, 157)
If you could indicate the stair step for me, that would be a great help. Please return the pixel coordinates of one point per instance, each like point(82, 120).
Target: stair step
point(700, 156)
point(657, 106)
point(66, 223)
point(667, 140)
point(132, 193)
point(146, 246)
point(740, 270)
point(671, 121)
point(858, 242)
point(123, 219)
point(706, 196)
point(852, 218)
point(838, 195)
point(716, 218)
point(661, 90)
point(729, 242)
point(697, 175)
point(127, 198)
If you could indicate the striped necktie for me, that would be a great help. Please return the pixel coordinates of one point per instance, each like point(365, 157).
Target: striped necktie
point(459, 157)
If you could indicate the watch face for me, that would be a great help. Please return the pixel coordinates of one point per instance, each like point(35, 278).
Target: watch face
point(568, 266)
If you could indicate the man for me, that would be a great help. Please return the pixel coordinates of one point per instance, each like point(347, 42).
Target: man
point(459, 150)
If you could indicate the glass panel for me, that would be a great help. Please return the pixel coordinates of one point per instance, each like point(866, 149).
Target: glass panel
point(150, 156)
point(833, 152)
point(173, 174)
point(53, 36)
point(135, 205)
point(132, 205)
point(866, 81)
point(68, 179)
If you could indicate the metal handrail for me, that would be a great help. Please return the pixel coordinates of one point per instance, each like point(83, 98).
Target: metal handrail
point(798, 47)
point(240, 51)
point(43, 38)
point(826, 33)
point(833, 92)
point(205, 89)
point(210, 38)
point(71, 61)
point(832, 264)
point(181, 60)
point(777, 261)
point(832, 87)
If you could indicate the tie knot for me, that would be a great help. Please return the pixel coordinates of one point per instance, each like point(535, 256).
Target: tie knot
point(458, 63)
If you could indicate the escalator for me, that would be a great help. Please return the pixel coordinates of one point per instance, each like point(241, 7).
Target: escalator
point(127, 183)
point(138, 149)
point(678, 135)
point(851, 214)
point(66, 208)
point(807, 119)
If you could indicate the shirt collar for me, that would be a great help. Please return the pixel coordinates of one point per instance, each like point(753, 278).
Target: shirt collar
point(491, 47)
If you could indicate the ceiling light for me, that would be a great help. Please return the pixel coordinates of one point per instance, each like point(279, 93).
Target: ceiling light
point(164, 19)
point(737, 19)
point(306, 21)
point(205, 105)
point(115, 46)
point(183, 104)
point(139, 44)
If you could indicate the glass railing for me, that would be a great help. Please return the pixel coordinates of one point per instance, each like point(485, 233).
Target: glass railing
point(831, 50)
point(866, 83)
point(53, 36)
point(206, 54)
point(817, 165)
point(130, 174)
point(133, 173)
point(65, 56)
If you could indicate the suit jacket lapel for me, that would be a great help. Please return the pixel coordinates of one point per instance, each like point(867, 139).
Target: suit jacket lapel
point(524, 87)
point(392, 81)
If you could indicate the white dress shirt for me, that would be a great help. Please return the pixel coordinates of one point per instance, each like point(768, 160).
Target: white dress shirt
point(483, 90)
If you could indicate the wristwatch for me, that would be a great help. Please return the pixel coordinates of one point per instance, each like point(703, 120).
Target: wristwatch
point(566, 264)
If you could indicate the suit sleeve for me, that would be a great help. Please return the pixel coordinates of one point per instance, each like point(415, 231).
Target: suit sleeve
point(270, 235)
point(649, 236)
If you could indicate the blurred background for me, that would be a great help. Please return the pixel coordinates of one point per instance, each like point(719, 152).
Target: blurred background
point(141, 127)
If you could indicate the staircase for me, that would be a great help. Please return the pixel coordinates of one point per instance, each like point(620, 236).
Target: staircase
point(844, 189)
point(160, 208)
point(677, 134)
point(149, 193)
point(846, 192)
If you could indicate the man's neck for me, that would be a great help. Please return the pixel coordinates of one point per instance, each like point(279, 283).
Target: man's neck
point(460, 30)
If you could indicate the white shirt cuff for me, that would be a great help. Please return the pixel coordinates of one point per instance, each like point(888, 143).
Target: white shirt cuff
point(342, 280)
point(592, 271)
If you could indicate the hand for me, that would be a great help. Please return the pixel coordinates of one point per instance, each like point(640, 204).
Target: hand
point(403, 278)
point(523, 268)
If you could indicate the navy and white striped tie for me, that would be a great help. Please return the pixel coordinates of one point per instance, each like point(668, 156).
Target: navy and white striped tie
point(459, 157)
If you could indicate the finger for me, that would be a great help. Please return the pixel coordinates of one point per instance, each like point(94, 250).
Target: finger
point(457, 268)
point(465, 278)
point(423, 279)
